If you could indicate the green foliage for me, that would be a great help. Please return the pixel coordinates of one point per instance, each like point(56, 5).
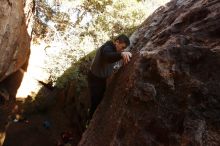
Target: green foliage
point(96, 6)
point(44, 14)
point(113, 18)
point(77, 73)
point(39, 29)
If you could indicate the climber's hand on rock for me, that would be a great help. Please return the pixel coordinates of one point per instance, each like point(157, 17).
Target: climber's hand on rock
point(126, 56)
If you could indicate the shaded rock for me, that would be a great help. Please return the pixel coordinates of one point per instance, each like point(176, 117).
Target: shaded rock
point(4, 94)
point(169, 93)
point(144, 91)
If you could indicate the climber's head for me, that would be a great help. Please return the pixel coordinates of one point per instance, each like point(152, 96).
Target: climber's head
point(121, 42)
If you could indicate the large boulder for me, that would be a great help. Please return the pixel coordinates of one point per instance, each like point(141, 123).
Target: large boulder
point(14, 38)
point(169, 94)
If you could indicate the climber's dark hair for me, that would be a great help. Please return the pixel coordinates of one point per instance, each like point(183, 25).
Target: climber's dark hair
point(123, 38)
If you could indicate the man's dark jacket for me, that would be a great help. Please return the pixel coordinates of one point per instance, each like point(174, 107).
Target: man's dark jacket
point(104, 61)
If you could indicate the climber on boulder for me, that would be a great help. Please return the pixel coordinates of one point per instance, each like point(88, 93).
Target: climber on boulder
point(102, 67)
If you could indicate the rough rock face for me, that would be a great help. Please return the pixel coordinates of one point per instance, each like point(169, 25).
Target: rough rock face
point(14, 38)
point(169, 93)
